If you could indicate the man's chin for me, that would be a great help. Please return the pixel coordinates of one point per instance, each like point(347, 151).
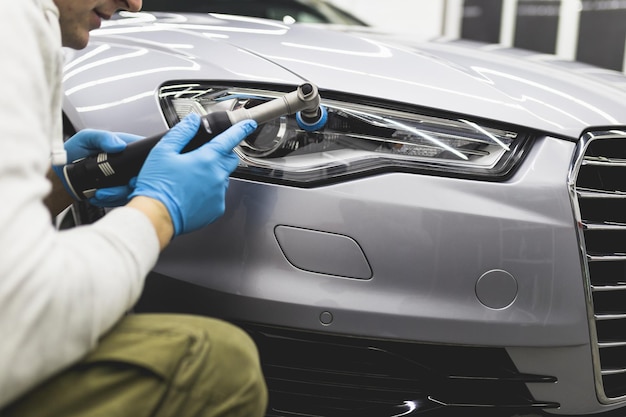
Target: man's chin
point(76, 42)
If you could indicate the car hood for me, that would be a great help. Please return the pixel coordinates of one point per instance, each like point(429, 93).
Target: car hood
point(517, 87)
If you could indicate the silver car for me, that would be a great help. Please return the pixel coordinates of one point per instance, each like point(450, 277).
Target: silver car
point(453, 239)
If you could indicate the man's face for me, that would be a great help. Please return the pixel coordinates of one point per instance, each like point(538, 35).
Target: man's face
point(78, 17)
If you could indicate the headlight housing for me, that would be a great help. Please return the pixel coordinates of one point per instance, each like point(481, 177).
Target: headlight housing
point(360, 138)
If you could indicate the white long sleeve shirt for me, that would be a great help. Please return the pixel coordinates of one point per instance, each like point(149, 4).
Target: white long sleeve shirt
point(59, 291)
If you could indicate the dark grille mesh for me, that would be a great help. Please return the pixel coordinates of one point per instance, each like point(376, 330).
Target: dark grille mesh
point(318, 374)
point(601, 196)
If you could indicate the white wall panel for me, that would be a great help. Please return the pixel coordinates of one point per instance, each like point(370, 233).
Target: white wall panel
point(420, 18)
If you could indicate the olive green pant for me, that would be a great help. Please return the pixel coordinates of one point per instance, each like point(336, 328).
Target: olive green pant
point(156, 365)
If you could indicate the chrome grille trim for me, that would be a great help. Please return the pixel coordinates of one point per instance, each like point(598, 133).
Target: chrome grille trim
point(598, 195)
point(606, 258)
point(604, 226)
point(587, 193)
point(604, 162)
point(614, 372)
point(601, 317)
point(614, 344)
point(599, 288)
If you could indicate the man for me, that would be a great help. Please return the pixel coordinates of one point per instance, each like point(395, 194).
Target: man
point(67, 347)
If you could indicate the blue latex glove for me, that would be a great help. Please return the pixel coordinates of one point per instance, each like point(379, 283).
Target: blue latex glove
point(191, 185)
point(90, 142)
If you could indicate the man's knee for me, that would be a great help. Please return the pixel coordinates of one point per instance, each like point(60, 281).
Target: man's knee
point(241, 378)
point(188, 365)
point(227, 367)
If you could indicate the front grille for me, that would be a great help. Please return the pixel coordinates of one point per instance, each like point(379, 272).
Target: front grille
point(314, 374)
point(600, 194)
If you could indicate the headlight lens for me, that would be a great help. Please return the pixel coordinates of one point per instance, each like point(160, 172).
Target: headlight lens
point(358, 139)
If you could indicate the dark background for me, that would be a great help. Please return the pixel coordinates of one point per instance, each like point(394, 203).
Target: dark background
point(600, 38)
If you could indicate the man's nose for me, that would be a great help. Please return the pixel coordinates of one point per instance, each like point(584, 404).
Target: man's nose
point(134, 5)
point(130, 5)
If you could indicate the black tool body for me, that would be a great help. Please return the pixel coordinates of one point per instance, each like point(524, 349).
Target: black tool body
point(104, 170)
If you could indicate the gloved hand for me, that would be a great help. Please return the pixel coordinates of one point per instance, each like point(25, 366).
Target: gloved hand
point(89, 142)
point(191, 185)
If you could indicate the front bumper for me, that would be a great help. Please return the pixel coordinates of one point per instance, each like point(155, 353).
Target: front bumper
point(418, 247)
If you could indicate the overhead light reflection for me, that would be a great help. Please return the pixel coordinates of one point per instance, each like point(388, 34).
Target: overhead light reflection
point(489, 135)
point(96, 51)
point(404, 127)
point(179, 22)
point(383, 52)
point(255, 20)
point(411, 406)
point(104, 61)
point(428, 138)
point(215, 36)
point(230, 29)
point(125, 100)
point(194, 67)
point(140, 17)
point(557, 109)
point(400, 80)
point(158, 44)
point(115, 30)
point(569, 97)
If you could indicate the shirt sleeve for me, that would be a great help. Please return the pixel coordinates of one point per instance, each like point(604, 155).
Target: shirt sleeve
point(59, 290)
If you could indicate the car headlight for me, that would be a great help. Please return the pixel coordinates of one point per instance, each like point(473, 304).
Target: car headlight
point(360, 138)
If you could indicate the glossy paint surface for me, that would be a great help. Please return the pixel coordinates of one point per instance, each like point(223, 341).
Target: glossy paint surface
point(521, 89)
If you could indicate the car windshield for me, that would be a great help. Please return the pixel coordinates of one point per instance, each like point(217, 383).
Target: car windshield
point(306, 11)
